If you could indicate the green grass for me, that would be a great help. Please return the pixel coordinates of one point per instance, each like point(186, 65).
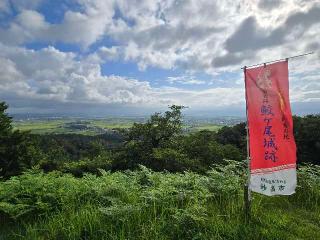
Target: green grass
point(112, 124)
point(150, 205)
point(39, 126)
point(56, 126)
point(210, 127)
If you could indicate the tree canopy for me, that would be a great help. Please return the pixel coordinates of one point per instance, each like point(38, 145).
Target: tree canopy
point(159, 144)
point(17, 149)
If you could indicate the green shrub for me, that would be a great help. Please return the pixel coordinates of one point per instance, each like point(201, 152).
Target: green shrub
point(155, 205)
point(79, 168)
point(171, 160)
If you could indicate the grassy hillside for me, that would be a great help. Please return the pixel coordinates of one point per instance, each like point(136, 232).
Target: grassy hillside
point(151, 205)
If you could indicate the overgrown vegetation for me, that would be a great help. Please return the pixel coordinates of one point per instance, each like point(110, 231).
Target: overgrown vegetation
point(17, 149)
point(71, 186)
point(159, 144)
point(153, 205)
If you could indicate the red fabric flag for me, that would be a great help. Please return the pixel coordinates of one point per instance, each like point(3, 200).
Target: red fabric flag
point(272, 145)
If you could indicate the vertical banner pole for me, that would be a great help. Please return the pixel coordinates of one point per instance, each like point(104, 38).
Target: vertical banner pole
point(247, 192)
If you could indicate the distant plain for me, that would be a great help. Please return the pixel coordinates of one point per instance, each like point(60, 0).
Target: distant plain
point(94, 126)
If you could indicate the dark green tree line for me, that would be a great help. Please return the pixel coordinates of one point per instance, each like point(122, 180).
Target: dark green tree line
point(158, 144)
point(18, 151)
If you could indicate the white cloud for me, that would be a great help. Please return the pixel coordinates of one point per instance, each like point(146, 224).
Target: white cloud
point(52, 75)
point(184, 79)
point(197, 35)
point(190, 35)
point(209, 98)
point(109, 53)
point(8, 71)
point(30, 20)
point(83, 28)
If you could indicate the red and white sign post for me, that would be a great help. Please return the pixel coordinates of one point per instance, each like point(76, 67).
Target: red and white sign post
point(270, 130)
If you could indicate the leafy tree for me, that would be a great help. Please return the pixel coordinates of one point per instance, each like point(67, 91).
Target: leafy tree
point(307, 137)
point(17, 149)
point(66, 147)
point(159, 144)
point(235, 135)
point(231, 152)
point(159, 129)
point(306, 131)
point(172, 160)
point(203, 149)
point(142, 138)
point(5, 120)
point(78, 168)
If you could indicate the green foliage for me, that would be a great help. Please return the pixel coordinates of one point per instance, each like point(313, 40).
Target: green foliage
point(203, 150)
point(79, 168)
point(231, 152)
point(307, 137)
point(5, 120)
point(63, 147)
point(143, 138)
point(153, 205)
point(171, 160)
point(235, 136)
point(17, 149)
point(203, 147)
point(160, 145)
point(159, 129)
point(306, 132)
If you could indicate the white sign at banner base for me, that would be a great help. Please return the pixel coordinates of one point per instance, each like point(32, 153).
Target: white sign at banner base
point(280, 182)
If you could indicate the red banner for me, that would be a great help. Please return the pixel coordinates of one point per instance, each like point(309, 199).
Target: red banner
point(272, 145)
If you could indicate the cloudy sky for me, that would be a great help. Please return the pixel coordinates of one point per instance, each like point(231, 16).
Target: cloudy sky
point(139, 56)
